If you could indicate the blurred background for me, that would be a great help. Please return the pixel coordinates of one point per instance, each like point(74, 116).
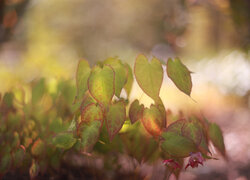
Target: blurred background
point(212, 37)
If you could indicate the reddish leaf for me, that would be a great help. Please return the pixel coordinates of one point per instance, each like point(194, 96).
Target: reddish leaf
point(135, 111)
point(153, 121)
point(115, 118)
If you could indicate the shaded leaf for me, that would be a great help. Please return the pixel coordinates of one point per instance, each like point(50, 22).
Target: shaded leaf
point(149, 76)
point(34, 169)
point(8, 99)
point(216, 137)
point(135, 111)
point(5, 163)
point(38, 91)
point(177, 145)
point(101, 84)
point(192, 131)
point(82, 75)
point(130, 80)
point(180, 75)
point(115, 118)
point(37, 148)
point(121, 74)
point(153, 121)
point(176, 126)
point(65, 140)
point(89, 134)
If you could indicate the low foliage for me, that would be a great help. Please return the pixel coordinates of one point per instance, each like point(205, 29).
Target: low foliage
point(37, 132)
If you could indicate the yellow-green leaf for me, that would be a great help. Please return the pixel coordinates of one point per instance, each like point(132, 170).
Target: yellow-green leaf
point(121, 74)
point(130, 80)
point(149, 76)
point(64, 140)
point(101, 84)
point(82, 75)
point(180, 75)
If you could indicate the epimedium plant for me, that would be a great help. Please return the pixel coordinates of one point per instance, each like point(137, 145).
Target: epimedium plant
point(99, 112)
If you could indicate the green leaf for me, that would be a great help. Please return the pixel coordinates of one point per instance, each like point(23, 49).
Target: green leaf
point(130, 80)
point(82, 75)
point(65, 140)
point(90, 126)
point(92, 112)
point(153, 121)
point(101, 84)
point(180, 75)
point(8, 99)
point(89, 134)
point(38, 91)
point(5, 163)
point(87, 100)
point(135, 111)
point(115, 118)
point(177, 145)
point(18, 157)
point(149, 76)
point(176, 127)
point(192, 131)
point(121, 74)
point(216, 137)
point(38, 147)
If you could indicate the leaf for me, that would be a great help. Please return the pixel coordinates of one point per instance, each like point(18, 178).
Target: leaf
point(149, 76)
point(38, 91)
point(92, 112)
point(215, 134)
point(90, 126)
point(87, 100)
point(18, 157)
point(121, 74)
point(177, 145)
point(8, 99)
point(135, 111)
point(176, 126)
point(65, 140)
point(130, 80)
point(5, 163)
point(89, 134)
point(82, 75)
point(101, 84)
point(115, 118)
point(37, 148)
point(153, 121)
point(180, 75)
point(192, 131)
point(34, 169)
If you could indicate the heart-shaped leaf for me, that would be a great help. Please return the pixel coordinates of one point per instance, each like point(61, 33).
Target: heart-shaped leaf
point(135, 111)
point(82, 75)
point(64, 140)
point(89, 134)
point(101, 84)
point(90, 126)
point(92, 112)
point(121, 74)
point(176, 126)
point(215, 134)
point(149, 76)
point(180, 75)
point(38, 91)
point(130, 80)
point(87, 100)
point(38, 147)
point(177, 145)
point(153, 121)
point(115, 118)
point(192, 131)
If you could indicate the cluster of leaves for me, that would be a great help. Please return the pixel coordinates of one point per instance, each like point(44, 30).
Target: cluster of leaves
point(39, 134)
